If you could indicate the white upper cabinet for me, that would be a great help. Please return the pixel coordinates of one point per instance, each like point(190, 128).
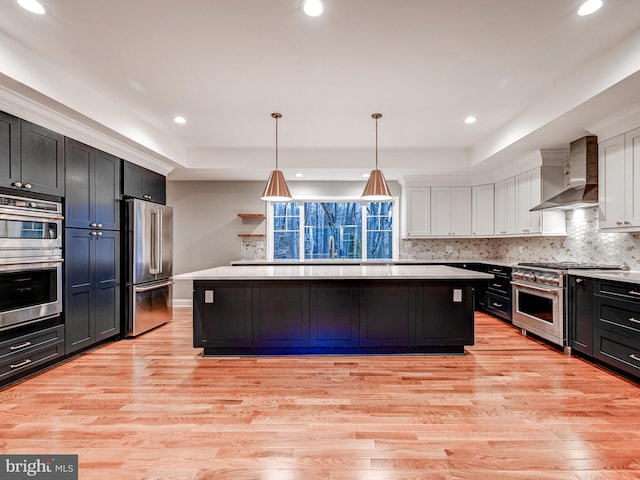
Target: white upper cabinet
point(528, 189)
point(450, 211)
point(505, 211)
point(619, 182)
point(417, 212)
point(482, 210)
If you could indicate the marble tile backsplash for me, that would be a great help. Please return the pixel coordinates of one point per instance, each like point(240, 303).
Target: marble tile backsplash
point(583, 243)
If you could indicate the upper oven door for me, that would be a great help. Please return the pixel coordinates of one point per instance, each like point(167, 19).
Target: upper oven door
point(30, 231)
point(30, 291)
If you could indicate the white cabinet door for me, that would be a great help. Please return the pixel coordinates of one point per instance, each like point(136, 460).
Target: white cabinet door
point(418, 211)
point(632, 169)
point(482, 210)
point(611, 182)
point(450, 211)
point(528, 195)
point(505, 198)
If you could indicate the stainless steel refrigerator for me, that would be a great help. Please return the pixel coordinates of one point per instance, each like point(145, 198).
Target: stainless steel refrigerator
point(148, 265)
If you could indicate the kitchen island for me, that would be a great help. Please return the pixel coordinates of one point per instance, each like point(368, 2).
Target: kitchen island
point(339, 309)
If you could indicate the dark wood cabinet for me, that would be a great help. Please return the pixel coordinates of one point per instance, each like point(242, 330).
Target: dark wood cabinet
point(9, 150)
point(227, 308)
point(92, 287)
point(387, 314)
point(92, 187)
point(31, 157)
point(442, 310)
point(498, 299)
point(332, 316)
point(139, 182)
point(334, 308)
point(281, 314)
point(580, 296)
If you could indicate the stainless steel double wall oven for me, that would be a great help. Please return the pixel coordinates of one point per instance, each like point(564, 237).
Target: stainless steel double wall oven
point(30, 260)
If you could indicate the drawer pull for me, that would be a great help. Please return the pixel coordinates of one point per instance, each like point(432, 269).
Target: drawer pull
point(497, 305)
point(27, 362)
point(497, 285)
point(633, 292)
point(634, 320)
point(635, 357)
point(13, 348)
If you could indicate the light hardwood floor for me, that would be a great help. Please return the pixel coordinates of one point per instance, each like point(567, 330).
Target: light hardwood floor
point(153, 408)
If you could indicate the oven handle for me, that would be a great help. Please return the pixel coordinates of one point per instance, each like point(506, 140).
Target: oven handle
point(31, 215)
point(545, 290)
point(32, 262)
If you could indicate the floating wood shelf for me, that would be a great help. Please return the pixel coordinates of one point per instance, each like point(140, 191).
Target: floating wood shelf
point(251, 215)
point(251, 234)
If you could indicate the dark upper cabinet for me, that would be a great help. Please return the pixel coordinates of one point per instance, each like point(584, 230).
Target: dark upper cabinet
point(142, 183)
point(42, 166)
point(92, 287)
point(9, 149)
point(92, 187)
point(31, 157)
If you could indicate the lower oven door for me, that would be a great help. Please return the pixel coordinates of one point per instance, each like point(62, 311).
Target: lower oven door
point(540, 310)
point(30, 291)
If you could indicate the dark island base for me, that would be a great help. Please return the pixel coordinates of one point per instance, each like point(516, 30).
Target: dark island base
point(257, 352)
point(346, 317)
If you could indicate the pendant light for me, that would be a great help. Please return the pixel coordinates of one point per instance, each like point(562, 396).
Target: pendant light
point(276, 189)
point(376, 188)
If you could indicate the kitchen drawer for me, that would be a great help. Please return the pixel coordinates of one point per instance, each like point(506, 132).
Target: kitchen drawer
point(627, 291)
point(620, 316)
point(617, 351)
point(31, 341)
point(15, 364)
point(501, 271)
point(499, 306)
point(500, 285)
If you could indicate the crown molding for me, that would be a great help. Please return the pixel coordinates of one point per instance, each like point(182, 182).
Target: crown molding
point(621, 122)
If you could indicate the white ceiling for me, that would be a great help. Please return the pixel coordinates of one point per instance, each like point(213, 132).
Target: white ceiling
point(534, 73)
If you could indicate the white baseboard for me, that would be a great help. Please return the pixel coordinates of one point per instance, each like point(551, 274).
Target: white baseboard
point(182, 302)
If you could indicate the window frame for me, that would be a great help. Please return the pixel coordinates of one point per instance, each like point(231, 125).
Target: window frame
point(395, 230)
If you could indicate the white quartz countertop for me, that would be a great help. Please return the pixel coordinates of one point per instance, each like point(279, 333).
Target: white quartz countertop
point(629, 276)
point(333, 272)
point(340, 261)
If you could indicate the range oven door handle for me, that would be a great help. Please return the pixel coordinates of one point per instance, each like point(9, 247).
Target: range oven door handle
point(31, 262)
point(32, 216)
point(531, 287)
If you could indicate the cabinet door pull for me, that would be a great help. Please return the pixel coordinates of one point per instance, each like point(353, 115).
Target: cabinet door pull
point(27, 361)
point(635, 357)
point(99, 225)
point(633, 292)
point(17, 184)
point(99, 234)
point(618, 223)
point(27, 186)
point(634, 320)
point(497, 305)
point(93, 233)
point(13, 348)
point(627, 223)
point(93, 225)
point(497, 285)
point(579, 280)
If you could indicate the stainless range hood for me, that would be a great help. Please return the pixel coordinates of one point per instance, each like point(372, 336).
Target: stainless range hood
point(580, 178)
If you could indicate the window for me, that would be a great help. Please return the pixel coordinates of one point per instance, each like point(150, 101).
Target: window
point(332, 230)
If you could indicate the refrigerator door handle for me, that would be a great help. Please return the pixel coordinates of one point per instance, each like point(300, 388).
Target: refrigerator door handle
point(153, 287)
point(155, 248)
point(160, 241)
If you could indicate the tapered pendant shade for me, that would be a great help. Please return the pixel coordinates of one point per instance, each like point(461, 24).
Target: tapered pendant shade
point(376, 188)
point(276, 189)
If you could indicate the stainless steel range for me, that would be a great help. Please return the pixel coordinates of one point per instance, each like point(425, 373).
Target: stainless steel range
point(540, 298)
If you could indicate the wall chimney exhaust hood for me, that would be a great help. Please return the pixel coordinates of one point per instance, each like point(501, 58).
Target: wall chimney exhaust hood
point(580, 178)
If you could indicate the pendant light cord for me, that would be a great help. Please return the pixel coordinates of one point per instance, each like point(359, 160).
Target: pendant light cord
point(376, 116)
point(276, 116)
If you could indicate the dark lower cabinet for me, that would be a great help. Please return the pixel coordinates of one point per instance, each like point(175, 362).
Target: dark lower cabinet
point(580, 296)
point(92, 287)
point(334, 309)
point(281, 314)
point(387, 314)
point(332, 316)
point(227, 308)
point(442, 313)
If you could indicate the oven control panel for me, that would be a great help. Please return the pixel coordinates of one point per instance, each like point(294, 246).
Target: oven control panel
point(538, 276)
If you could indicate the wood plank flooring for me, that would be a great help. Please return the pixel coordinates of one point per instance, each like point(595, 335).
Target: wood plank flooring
point(153, 408)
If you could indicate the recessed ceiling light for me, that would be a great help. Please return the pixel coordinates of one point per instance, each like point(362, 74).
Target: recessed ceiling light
point(589, 7)
point(470, 119)
point(180, 120)
point(365, 175)
point(32, 6)
point(299, 175)
point(313, 8)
